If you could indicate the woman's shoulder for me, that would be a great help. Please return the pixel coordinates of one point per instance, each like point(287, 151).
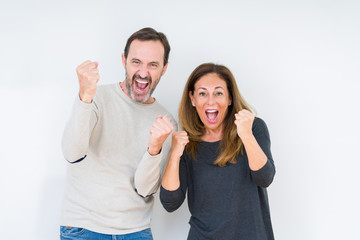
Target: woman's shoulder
point(258, 121)
point(259, 125)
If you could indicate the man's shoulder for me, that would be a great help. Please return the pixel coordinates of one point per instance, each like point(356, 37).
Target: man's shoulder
point(161, 108)
point(105, 94)
point(104, 91)
point(106, 87)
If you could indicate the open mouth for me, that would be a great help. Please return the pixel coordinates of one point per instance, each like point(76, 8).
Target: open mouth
point(211, 115)
point(141, 86)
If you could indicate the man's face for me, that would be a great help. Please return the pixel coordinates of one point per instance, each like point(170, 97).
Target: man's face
point(144, 67)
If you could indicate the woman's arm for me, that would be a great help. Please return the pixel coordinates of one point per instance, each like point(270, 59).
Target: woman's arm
point(256, 157)
point(257, 146)
point(170, 180)
point(173, 186)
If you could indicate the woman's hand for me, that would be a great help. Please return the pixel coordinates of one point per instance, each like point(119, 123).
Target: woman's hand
point(179, 141)
point(244, 120)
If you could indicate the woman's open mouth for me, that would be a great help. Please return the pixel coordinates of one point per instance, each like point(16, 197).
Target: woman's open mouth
point(211, 115)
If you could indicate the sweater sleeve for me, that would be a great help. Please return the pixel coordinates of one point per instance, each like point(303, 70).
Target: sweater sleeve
point(148, 173)
point(76, 136)
point(172, 200)
point(265, 175)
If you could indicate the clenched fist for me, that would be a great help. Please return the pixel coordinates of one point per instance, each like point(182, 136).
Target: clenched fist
point(179, 141)
point(88, 75)
point(159, 131)
point(244, 120)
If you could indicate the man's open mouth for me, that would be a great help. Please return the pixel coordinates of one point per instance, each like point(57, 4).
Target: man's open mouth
point(211, 115)
point(141, 86)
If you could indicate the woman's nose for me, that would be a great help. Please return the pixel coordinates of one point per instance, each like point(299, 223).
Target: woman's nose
point(211, 99)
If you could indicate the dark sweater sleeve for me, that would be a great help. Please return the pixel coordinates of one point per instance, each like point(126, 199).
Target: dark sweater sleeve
point(172, 200)
point(265, 175)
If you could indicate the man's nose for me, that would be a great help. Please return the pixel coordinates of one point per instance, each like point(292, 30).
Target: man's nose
point(143, 71)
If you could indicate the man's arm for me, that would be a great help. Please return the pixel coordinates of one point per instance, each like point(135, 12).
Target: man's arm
point(76, 137)
point(148, 173)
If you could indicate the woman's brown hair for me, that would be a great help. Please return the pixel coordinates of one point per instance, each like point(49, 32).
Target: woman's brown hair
point(231, 144)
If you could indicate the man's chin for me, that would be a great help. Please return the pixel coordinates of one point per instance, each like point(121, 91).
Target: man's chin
point(140, 98)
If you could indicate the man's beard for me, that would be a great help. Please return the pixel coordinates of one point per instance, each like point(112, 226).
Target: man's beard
point(129, 87)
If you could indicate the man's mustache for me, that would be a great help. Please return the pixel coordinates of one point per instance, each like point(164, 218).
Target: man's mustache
point(137, 76)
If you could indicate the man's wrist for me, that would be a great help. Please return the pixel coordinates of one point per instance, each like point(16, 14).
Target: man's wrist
point(153, 151)
point(85, 98)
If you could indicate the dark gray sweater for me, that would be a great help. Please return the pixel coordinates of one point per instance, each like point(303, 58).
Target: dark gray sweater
point(226, 203)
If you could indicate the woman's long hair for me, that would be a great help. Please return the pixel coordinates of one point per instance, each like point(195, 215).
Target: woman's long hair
point(231, 144)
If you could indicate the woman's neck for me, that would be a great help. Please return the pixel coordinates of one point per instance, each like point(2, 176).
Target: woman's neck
point(212, 135)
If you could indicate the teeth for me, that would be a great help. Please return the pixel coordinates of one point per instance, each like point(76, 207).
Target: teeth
point(211, 111)
point(141, 81)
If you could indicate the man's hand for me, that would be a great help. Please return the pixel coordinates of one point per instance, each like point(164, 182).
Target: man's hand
point(159, 131)
point(88, 75)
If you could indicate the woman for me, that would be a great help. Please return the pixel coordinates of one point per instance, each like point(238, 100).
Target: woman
point(226, 164)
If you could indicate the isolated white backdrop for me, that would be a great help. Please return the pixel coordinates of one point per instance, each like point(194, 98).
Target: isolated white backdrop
point(296, 62)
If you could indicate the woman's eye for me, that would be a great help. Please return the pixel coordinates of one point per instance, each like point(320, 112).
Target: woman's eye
point(202, 94)
point(219, 93)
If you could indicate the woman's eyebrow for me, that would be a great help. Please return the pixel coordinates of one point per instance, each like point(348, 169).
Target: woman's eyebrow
point(204, 88)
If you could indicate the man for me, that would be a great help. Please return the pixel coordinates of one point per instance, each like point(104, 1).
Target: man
point(114, 163)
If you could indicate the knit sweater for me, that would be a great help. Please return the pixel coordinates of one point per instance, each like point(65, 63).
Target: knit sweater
point(228, 202)
point(110, 175)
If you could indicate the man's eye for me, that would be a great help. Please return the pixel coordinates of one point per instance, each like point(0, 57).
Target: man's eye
point(136, 62)
point(154, 65)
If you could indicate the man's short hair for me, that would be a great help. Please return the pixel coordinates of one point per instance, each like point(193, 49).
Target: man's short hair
point(147, 34)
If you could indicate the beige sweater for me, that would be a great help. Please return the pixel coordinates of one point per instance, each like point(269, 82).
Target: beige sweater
point(110, 190)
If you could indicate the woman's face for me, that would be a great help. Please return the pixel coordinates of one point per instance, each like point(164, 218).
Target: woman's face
point(211, 99)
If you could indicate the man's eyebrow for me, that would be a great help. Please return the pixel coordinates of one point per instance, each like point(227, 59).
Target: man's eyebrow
point(153, 62)
point(135, 59)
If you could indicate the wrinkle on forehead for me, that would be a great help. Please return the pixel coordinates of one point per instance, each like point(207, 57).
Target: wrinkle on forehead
point(147, 51)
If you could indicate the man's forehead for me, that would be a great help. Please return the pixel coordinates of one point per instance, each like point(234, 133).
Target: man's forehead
point(149, 50)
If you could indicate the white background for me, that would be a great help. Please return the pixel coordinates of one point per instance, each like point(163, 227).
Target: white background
point(296, 62)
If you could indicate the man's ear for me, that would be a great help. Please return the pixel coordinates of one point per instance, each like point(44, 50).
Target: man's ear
point(164, 68)
point(123, 60)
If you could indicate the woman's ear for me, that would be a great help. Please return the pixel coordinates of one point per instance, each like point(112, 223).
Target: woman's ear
point(192, 98)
